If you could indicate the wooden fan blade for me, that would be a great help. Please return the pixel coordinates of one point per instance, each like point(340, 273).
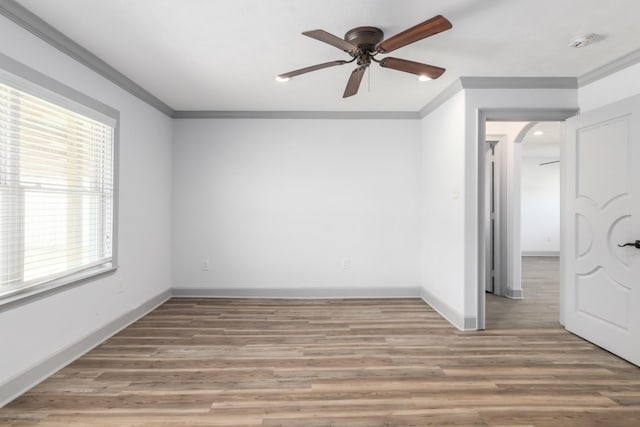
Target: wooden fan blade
point(311, 68)
point(435, 25)
point(417, 68)
point(329, 38)
point(354, 82)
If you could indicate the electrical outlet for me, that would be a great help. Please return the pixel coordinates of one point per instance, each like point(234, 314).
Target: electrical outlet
point(205, 265)
point(346, 263)
point(120, 285)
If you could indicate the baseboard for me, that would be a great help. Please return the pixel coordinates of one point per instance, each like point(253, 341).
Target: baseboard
point(43, 370)
point(300, 293)
point(514, 293)
point(540, 253)
point(457, 319)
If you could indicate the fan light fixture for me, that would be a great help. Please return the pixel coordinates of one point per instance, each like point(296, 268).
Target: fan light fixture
point(364, 44)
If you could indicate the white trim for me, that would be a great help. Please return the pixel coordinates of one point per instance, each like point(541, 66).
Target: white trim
point(402, 291)
point(457, 319)
point(29, 378)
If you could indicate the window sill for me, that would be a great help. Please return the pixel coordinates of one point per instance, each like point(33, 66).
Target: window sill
point(19, 297)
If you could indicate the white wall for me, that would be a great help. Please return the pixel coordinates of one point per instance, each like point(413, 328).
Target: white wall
point(617, 86)
point(442, 214)
point(540, 206)
point(286, 203)
point(30, 333)
point(450, 217)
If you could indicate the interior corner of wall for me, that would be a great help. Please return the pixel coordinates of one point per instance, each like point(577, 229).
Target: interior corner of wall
point(461, 321)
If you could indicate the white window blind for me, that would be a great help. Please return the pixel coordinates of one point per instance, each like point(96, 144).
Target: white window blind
point(56, 192)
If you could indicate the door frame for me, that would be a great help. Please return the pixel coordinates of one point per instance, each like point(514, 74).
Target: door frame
point(505, 115)
point(507, 200)
point(491, 224)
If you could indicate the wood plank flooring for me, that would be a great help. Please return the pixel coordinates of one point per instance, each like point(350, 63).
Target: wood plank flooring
point(320, 363)
point(541, 306)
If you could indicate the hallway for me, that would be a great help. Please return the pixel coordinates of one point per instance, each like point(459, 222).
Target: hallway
point(540, 307)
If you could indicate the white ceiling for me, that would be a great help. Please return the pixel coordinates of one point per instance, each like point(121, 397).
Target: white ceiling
point(224, 54)
point(545, 145)
point(542, 140)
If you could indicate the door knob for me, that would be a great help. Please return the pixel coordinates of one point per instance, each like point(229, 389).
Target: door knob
point(635, 245)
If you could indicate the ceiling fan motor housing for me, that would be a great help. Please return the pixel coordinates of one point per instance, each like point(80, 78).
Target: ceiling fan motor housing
point(366, 38)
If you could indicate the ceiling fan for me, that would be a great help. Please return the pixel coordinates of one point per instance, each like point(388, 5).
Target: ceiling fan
point(364, 43)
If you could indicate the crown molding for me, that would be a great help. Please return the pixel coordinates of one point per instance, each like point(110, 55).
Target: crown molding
point(327, 115)
point(519, 82)
point(441, 98)
point(40, 28)
point(614, 66)
point(497, 83)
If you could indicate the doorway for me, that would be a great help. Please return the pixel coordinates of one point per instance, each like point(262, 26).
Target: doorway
point(523, 200)
point(502, 249)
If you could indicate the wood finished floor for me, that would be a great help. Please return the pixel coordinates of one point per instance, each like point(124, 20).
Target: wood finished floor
point(357, 363)
point(541, 306)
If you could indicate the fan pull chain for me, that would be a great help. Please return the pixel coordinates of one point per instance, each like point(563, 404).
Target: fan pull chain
point(368, 79)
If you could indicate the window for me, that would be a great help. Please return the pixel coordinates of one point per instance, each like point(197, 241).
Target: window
point(56, 190)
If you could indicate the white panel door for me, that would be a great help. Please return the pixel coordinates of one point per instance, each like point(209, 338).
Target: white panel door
point(601, 210)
